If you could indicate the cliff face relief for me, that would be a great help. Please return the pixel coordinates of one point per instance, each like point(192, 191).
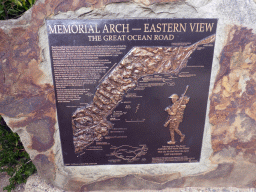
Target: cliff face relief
point(90, 123)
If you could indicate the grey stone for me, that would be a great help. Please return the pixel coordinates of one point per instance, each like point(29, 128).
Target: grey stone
point(28, 104)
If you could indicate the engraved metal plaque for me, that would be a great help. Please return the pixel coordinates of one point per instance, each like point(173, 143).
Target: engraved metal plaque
point(131, 91)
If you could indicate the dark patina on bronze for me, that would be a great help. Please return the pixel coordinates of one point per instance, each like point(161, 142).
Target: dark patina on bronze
point(126, 116)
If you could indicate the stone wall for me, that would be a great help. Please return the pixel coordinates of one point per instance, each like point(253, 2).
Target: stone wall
point(27, 100)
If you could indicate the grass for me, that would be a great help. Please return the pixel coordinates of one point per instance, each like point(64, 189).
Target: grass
point(13, 158)
point(12, 9)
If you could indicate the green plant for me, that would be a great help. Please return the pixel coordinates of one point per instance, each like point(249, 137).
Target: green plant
point(11, 9)
point(13, 158)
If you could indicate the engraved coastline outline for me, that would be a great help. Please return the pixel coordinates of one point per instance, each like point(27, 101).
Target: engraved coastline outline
point(129, 153)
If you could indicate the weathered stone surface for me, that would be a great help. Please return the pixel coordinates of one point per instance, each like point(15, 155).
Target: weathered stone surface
point(27, 99)
point(45, 167)
point(232, 109)
point(36, 184)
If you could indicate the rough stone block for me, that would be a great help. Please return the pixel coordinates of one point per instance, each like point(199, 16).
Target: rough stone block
point(27, 100)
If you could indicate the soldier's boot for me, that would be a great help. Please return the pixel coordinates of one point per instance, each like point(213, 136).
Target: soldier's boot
point(171, 142)
point(182, 138)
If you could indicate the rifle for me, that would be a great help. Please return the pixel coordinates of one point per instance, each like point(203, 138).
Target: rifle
point(181, 100)
point(183, 95)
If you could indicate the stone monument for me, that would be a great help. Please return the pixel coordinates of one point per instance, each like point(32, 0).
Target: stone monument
point(35, 99)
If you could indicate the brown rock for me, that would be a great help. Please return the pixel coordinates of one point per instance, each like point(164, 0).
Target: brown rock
point(27, 100)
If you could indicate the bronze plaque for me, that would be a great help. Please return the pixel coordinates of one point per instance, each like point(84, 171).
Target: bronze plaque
point(131, 91)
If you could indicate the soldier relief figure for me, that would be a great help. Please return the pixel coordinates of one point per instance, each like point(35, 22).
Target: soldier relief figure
point(176, 113)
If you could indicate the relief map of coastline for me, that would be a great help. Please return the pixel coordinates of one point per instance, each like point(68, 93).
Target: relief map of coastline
point(131, 91)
